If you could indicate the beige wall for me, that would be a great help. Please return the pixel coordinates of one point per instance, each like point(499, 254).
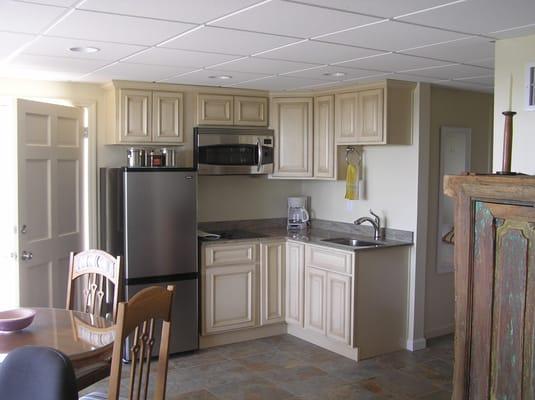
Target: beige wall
point(511, 58)
point(457, 108)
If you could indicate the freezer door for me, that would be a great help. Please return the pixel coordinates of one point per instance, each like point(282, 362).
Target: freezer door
point(184, 320)
point(160, 209)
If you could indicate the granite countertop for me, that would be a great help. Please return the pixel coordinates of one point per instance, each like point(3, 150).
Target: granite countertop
point(319, 230)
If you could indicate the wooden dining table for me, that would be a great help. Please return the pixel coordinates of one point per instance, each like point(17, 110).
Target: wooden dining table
point(86, 339)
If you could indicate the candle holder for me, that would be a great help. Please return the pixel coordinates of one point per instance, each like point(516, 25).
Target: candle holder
point(507, 144)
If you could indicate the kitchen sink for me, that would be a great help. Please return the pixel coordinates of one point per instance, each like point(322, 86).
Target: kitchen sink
point(353, 242)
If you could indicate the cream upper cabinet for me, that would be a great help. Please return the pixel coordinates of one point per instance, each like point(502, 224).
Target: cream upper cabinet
point(167, 117)
point(339, 307)
point(229, 298)
point(315, 301)
point(324, 150)
point(250, 111)
point(215, 109)
point(346, 121)
point(272, 277)
point(293, 124)
point(379, 114)
point(295, 263)
point(135, 116)
point(370, 116)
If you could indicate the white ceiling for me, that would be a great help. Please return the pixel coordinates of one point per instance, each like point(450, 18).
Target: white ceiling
point(271, 45)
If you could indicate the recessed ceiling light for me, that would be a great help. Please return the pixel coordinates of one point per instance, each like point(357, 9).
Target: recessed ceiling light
point(336, 74)
point(220, 77)
point(84, 49)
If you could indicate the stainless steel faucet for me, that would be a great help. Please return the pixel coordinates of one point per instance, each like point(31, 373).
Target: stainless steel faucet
point(378, 232)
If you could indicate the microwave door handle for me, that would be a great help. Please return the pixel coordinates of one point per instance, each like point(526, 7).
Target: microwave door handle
point(259, 149)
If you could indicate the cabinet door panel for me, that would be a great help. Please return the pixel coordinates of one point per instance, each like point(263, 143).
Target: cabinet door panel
point(167, 117)
point(315, 304)
point(135, 116)
point(339, 307)
point(295, 261)
point(214, 109)
point(292, 121)
point(250, 111)
point(346, 117)
point(370, 113)
point(324, 151)
point(229, 298)
point(272, 283)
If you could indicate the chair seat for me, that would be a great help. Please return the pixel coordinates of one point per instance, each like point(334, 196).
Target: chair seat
point(98, 396)
point(92, 374)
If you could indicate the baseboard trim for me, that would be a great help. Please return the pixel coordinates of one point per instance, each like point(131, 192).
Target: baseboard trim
point(417, 344)
point(445, 330)
point(221, 339)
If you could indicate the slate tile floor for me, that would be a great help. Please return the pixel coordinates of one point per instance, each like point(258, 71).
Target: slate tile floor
point(286, 368)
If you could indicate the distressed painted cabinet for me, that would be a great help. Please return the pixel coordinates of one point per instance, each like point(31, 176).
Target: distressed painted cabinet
point(324, 149)
point(494, 287)
point(293, 124)
point(218, 109)
point(143, 116)
point(295, 269)
point(378, 114)
point(272, 277)
point(229, 287)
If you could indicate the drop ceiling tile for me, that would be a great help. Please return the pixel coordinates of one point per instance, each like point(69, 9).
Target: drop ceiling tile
point(27, 17)
point(135, 72)
point(117, 28)
point(383, 8)
point(487, 80)
point(453, 71)
point(413, 77)
point(471, 48)
point(10, 42)
point(228, 41)
point(283, 18)
point(478, 16)
point(320, 73)
point(392, 36)
point(204, 78)
point(514, 32)
point(183, 10)
point(59, 3)
point(180, 58)
point(57, 64)
point(265, 66)
point(392, 62)
point(59, 47)
point(279, 83)
point(319, 52)
point(485, 62)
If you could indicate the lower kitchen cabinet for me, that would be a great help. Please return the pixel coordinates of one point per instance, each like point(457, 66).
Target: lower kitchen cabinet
point(295, 265)
point(272, 278)
point(338, 307)
point(315, 303)
point(229, 297)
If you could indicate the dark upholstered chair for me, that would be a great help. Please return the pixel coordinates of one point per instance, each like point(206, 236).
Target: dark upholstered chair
point(31, 373)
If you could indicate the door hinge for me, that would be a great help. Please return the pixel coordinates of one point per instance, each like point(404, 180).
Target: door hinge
point(85, 132)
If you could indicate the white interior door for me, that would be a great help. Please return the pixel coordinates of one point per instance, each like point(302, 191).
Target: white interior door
point(49, 199)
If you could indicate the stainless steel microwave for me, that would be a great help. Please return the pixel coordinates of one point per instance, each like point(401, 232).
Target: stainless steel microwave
point(233, 150)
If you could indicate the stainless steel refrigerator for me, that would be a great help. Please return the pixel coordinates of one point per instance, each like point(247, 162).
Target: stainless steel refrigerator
point(149, 216)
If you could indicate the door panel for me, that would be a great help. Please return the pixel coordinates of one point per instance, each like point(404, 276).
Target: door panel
point(135, 116)
point(370, 128)
point(50, 200)
point(168, 117)
point(315, 304)
point(295, 261)
point(250, 111)
point(346, 117)
point(214, 109)
point(339, 307)
point(324, 152)
point(272, 282)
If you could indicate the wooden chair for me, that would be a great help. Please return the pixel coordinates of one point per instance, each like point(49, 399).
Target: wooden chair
point(94, 272)
point(138, 316)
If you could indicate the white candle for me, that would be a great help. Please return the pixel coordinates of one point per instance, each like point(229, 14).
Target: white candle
point(510, 94)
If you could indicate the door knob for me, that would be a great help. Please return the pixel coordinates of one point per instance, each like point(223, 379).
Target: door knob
point(26, 255)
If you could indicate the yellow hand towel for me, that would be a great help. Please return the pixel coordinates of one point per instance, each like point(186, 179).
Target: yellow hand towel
point(352, 177)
